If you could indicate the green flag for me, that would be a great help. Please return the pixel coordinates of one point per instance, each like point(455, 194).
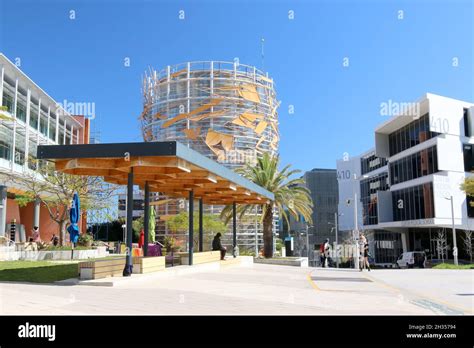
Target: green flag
point(151, 225)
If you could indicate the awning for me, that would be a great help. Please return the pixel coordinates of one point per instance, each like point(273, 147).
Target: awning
point(168, 167)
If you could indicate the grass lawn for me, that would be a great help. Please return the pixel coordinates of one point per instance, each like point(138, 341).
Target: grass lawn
point(39, 271)
point(36, 271)
point(451, 266)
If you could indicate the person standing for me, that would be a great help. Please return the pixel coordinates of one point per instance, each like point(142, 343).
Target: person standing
point(326, 253)
point(35, 234)
point(141, 239)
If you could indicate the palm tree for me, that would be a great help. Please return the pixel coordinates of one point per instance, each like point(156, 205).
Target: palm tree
point(290, 196)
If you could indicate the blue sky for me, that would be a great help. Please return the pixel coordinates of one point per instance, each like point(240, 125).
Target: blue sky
point(335, 108)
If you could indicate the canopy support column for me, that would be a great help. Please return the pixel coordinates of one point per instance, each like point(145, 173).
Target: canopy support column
point(234, 228)
point(146, 218)
point(200, 226)
point(191, 227)
point(127, 272)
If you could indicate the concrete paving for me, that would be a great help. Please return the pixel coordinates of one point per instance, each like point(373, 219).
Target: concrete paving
point(252, 289)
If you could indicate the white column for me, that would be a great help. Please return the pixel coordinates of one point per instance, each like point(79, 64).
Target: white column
point(64, 132)
point(36, 212)
point(72, 135)
point(1, 84)
point(77, 141)
point(56, 138)
point(49, 118)
point(3, 209)
point(404, 241)
point(14, 124)
point(27, 129)
point(39, 121)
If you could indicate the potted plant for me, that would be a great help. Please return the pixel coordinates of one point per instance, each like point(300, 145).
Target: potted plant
point(85, 240)
point(171, 244)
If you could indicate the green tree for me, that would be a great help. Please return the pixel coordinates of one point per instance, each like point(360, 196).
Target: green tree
point(55, 190)
point(211, 224)
point(468, 186)
point(290, 196)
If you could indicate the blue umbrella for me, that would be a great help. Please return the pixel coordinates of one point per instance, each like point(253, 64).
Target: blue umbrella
point(74, 212)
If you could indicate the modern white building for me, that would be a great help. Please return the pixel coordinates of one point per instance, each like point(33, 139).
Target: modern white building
point(138, 205)
point(28, 117)
point(404, 186)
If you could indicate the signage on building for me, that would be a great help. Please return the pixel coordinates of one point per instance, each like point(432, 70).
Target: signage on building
point(418, 222)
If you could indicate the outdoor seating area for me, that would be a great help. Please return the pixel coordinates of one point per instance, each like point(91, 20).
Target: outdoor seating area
point(166, 167)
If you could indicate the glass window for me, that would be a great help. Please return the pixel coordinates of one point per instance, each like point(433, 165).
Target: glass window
point(21, 111)
point(8, 101)
point(33, 116)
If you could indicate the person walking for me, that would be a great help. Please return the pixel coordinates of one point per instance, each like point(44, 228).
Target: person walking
point(365, 253)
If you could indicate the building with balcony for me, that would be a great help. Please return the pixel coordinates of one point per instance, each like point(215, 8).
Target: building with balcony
point(28, 117)
point(400, 192)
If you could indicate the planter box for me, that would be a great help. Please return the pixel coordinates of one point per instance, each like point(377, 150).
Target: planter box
point(101, 268)
point(284, 261)
point(202, 257)
point(63, 254)
point(148, 264)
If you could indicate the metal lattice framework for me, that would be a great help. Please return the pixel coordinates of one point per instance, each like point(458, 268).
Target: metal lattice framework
point(224, 110)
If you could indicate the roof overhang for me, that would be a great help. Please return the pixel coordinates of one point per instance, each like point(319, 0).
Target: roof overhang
point(408, 113)
point(168, 167)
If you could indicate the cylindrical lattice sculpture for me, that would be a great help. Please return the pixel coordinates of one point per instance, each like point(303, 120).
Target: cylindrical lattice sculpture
point(227, 111)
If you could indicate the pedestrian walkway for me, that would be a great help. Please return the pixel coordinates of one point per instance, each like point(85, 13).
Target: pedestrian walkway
point(229, 290)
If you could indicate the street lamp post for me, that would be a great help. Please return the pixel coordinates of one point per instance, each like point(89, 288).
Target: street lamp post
point(356, 225)
point(455, 245)
point(337, 243)
point(356, 233)
point(336, 227)
point(307, 242)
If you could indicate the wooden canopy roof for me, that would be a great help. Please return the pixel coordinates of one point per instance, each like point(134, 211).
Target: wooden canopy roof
point(168, 167)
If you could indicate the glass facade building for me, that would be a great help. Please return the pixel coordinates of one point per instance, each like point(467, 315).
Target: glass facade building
point(29, 117)
point(414, 166)
point(368, 189)
point(413, 203)
point(410, 135)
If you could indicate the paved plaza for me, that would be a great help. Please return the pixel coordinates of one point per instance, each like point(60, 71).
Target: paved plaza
point(252, 289)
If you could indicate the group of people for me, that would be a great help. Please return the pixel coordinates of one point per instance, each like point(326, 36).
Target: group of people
point(35, 237)
point(364, 253)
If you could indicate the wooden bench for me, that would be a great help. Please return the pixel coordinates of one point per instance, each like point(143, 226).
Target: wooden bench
point(148, 264)
point(101, 268)
point(202, 257)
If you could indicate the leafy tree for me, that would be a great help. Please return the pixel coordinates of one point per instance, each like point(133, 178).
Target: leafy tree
point(290, 195)
point(55, 190)
point(211, 224)
point(468, 186)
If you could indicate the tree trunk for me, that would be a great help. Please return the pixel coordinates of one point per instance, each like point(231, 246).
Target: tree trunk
point(62, 233)
point(268, 232)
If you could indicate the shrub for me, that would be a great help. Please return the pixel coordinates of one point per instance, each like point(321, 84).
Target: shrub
point(85, 240)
